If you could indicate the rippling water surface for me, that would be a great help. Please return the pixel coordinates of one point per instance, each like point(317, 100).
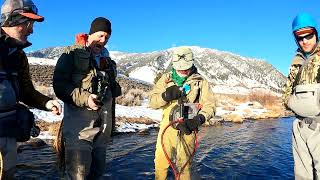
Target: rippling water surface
point(252, 150)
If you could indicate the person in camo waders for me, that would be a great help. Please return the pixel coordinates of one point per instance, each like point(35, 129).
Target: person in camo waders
point(301, 94)
point(182, 85)
point(17, 19)
point(84, 80)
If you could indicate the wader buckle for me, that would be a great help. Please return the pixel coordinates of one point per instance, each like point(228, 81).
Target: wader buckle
point(313, 122)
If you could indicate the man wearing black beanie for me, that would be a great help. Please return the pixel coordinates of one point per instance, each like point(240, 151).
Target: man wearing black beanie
point(100, 24)
point(100, 32)
point(84, 79)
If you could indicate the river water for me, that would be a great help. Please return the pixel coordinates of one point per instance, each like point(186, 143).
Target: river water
point(252, 150)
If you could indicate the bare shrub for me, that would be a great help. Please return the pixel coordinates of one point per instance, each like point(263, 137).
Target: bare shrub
point(231, 98)
point(264, 98)
point(240, 98)
point(141, 120)
point(52, 127)
point(131, 97)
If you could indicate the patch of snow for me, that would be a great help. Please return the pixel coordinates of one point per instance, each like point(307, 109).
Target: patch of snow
point(42, 61)
point(46, 115)
point(134, 127)
point(144, 73)
point(222, 89)
point(138, 112)
point(45, 135)
point(220, 111)
point(240, 110)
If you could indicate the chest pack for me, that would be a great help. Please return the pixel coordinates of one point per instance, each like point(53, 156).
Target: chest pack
point(16, 120)
point(105, 72)
point(305, 100)
point(184, 109)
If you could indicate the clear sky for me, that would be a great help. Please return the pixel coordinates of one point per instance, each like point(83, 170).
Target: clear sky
point(251, 28)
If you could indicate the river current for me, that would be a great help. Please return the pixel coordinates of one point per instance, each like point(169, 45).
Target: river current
point(251, 150)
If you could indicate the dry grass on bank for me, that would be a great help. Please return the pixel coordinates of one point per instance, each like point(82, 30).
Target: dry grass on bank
point(142, 120)
point(259, 99)
point(268, 100)
point(52, 127)
point(131, 97)
point(233, 99)
point(264, 98)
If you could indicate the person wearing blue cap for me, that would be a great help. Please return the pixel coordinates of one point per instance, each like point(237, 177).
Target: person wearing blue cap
point(301, 95)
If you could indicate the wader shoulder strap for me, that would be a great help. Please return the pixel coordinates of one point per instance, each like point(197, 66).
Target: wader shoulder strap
point(91, 65)
point(12, 76)
point(296, 81)
point(199, 93)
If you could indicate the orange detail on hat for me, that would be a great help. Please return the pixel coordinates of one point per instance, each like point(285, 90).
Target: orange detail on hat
point(304, 31)
point(32, 16)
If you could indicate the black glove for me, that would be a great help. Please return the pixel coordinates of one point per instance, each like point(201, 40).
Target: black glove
point(193, 124)
point(172, 93)
point(183, 128)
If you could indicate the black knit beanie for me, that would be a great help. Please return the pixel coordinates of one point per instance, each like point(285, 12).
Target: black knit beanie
point(100, 24)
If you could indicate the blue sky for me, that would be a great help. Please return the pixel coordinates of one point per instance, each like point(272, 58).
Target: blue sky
point(251, 28)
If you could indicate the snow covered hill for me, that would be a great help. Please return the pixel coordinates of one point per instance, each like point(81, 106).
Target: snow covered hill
point(227, 72)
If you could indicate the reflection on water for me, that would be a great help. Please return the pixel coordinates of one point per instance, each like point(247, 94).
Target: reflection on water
point(37, 163)
point(252, 150)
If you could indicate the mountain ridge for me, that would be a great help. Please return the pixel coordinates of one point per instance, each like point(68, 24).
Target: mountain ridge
point(227, 72)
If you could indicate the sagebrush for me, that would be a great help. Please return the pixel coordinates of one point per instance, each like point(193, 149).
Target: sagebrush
point(131, 97)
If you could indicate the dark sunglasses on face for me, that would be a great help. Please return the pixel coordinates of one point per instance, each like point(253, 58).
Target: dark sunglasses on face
point(28, 9)
point(177, 57)
point(307, 37)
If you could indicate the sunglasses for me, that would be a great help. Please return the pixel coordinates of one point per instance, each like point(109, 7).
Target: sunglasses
point(28, 9)
point(307, 37)
point(185, 57)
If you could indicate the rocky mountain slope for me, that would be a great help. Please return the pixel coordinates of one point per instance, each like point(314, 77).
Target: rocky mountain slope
point(227, 72)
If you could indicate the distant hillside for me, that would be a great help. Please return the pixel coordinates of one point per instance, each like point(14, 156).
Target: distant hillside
point(227, 72)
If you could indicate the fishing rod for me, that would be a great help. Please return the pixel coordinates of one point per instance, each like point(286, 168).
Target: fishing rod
point(175, 171)
point(1, 165)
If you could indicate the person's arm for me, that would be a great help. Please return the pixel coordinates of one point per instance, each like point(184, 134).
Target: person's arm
point(63, 86)
point(27, 92)
point(207, 101)
point(155, 97)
